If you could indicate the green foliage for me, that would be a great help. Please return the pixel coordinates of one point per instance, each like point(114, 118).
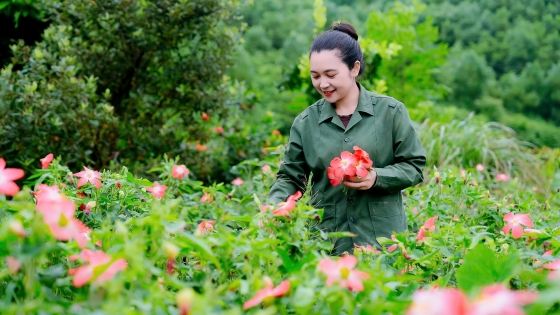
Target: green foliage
point(409, 74)
point(517, 41)
point(48, 107)
point(481, 267)
point(21, 8)
point(226, 266)
point(156, 66)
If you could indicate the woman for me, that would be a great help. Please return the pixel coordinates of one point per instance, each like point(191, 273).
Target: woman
point(349, 116)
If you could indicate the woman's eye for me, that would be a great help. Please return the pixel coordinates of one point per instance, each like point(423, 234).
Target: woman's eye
point(315, 78)
point(331, 76)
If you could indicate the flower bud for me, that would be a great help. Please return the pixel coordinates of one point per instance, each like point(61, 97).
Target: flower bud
point(171, 250)
point(16, 227)
point(185, 298)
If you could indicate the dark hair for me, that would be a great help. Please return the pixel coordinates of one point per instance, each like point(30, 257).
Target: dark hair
point(344, 38)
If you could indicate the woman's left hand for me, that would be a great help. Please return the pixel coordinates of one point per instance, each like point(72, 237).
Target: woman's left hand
point(361, 183)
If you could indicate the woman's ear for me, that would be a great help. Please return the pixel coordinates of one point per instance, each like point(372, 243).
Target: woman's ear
point(356, 69)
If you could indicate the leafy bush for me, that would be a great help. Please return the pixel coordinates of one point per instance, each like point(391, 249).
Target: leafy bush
point(126, 82)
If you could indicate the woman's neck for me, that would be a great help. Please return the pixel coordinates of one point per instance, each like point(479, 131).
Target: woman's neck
point(348, 104)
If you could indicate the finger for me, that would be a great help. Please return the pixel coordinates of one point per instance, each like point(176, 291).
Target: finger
point(359, 186)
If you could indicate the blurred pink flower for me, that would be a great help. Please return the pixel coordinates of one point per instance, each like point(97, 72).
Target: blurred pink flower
point(266, 169)
point(219, 129)
point(496, 299)
point(515, 222)
point(502, 177)
point(286, 207)
point(158, 190)
point(237, 182)
point(179, 171)
point(400, 245)
point(366, 249)
point(438, 302)
point(428, 226)
point(13, 264)
point(89, 176)
point(98, 260)
point(16, 227)
point(268, 293)
point(7, 178)
point(479, 167)
point(342, 271)
point(205, 226)
point(206, 197)
point(46, 161)
point(555, 269)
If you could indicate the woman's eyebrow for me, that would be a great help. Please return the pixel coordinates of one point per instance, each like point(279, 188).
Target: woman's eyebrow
point(328, 70)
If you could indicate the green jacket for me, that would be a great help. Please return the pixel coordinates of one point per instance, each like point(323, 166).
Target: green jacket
point(381, 126)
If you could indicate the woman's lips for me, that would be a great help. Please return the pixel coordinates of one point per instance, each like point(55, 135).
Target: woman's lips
point(329, 93)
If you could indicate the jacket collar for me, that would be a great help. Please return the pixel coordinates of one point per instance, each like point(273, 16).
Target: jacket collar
point(365, 105)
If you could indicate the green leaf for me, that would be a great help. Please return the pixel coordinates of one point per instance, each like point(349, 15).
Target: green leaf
point(304, 296)
point(482, 267)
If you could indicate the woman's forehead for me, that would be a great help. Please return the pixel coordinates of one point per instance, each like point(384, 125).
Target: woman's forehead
point(324, 61)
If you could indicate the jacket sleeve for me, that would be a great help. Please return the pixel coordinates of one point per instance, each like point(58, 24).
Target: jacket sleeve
point(409, 156)
point(294, 170)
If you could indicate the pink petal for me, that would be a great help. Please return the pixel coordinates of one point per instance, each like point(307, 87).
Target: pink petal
point(82, 181)
point(421, 234)
point(509, 217)
point(9, 188)
point(507, 228)
point(327, 265)
point(525, 220)
point(553, 265)
point(2, 164)
point(430, 222)
point(111, 271)
point(81, 275)
point(348, 261)
point(259, 297)
point(80, 174)
point(95, 182)
point(392, 248)
point(281, 289)
point(353, 284)
point(12, 174)
point(517, 231)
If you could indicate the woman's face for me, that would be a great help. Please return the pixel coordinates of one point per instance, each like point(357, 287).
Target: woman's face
point(330, 76)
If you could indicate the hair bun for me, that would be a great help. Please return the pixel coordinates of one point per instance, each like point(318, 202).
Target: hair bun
point(346, 28)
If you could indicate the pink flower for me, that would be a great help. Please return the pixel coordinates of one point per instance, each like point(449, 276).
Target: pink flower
point(342, 271)
point(268, 293)
point(158, 190)
point(206, 198)
point(479, 167)
point(515, 222)
point(98, 260)
point(13, 264)
point(364, 163)
point(58, 213)
point(286, 207)
point(179, 171)
point(205, 226)
point(400, 245)
point(219, 129)
point(496, 299)
point(16, 227)
point(237, 182)
point(205, 117)
point(89, 176)
point(555, 267)
point(7, 178)
point(428, 226)
point(438, 302)
point(46, 161)
point(366, 249)
point(502, 177)
point(184, 299)
point(266, 169)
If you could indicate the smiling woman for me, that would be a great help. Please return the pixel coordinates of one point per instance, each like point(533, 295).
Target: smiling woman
point(347, 117)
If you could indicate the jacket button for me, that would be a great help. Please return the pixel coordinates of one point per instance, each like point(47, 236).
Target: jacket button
point(350, 200)
point(351, 219)
point(346, 139)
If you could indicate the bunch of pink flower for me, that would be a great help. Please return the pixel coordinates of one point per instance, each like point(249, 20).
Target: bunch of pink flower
point(349, 164)
point(495, 299)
